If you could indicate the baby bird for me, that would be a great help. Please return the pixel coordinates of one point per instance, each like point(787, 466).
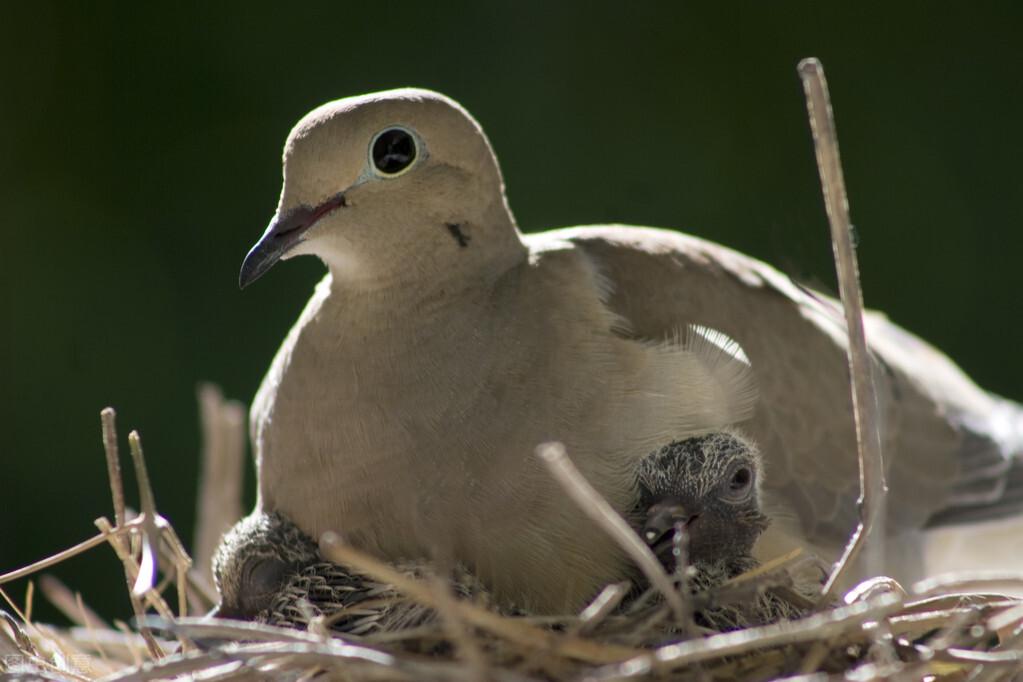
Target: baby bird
point(253, 561)
point(710, 486)
point(267, 570)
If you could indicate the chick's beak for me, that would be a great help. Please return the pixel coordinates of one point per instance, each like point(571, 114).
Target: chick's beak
point(662, 519)
point(285, 231)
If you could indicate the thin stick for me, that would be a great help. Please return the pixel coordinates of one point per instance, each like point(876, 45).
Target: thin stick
point(597, 508)
point(1009, 616)
point(843, 621)
point(600, 608)
point(764, 568)
point(68, 553)
point(172, 548)
point(868, 438)
point(976, 580)
point(202, 595)
point(142, 576)
point(149, 565)
point(155, 529)
point(147, 501)
point(225, 629)
point(122, 549)
point(131, 569)
point(181, 576)
point(457, 631)
point(340, 660)
point(108, 418)
point(30, 591)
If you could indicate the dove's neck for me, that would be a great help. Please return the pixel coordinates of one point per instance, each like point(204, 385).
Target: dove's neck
point(439, 258)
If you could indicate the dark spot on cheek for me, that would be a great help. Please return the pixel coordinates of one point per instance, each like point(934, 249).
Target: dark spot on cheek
point(457, 234)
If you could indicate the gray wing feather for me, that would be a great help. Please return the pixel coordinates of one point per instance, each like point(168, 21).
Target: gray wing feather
point(946, 441)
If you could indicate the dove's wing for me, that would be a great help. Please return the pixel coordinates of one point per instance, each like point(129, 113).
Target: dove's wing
point(947, 442)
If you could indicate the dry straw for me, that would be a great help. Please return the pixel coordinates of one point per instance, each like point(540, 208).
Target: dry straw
point(946, 628)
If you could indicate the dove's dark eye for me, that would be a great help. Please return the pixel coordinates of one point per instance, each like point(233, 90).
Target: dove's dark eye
point(393, 151)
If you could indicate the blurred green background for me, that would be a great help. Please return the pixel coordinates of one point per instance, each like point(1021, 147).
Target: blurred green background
point(140, 158)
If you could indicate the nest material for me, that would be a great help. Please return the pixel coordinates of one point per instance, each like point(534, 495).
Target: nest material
point(884, 633)
point(941, 630)
point(350, 603)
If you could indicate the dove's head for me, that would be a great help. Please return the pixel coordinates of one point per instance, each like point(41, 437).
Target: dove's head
point(387, 187)
point(711, 486)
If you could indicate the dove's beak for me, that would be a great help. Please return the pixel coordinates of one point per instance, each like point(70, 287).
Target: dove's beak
point(285, 231)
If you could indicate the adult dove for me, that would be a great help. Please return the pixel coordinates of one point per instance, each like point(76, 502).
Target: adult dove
point(404, 406)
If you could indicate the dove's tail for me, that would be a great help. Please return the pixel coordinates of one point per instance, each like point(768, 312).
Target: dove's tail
point(992, 461)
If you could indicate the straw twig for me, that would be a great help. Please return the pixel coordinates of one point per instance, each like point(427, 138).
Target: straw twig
point(149, 565)
point(811, 628)
point(775, 564)
point(865, 416)
point(553, 455)
point(339, 659)
point(457, 630)
point(965, 581)
point(131, 571)
point(112, 535)
point(600, 608)
point(108, 419)
point(64, 555)
point(30, 591)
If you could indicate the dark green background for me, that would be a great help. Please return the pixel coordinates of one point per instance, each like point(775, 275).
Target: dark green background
point(139, 160)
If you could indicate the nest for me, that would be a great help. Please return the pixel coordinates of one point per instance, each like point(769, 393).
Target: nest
point(760, 624)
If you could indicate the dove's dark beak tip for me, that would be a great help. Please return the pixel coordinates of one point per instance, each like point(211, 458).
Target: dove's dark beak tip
point(285, 231)
point(261, 258)
point(245, 277)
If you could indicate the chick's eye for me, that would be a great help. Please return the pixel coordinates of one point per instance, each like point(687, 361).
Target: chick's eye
point(393, 151)
point(265, 576)
point(261, 580)
point(741, 479)
point(740, 484)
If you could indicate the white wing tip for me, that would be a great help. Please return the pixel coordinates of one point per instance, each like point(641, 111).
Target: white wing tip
point(725, 343)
